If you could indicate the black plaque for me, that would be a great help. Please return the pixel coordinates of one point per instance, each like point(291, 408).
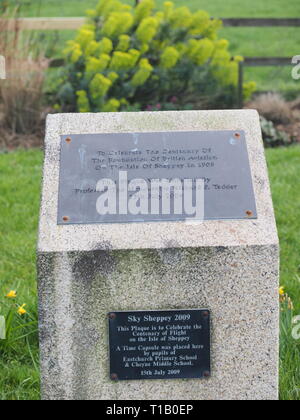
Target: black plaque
point(159, 344)
point(219, 158)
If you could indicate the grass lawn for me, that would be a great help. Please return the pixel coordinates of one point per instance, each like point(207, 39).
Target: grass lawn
point(20, 177)
point(244, 41)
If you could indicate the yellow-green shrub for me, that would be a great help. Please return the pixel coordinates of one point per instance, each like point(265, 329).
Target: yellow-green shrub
point(135, 57)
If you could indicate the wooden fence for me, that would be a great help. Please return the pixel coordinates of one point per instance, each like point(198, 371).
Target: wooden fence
point(73, 23)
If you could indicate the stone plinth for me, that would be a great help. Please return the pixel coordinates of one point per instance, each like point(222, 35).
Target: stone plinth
point(227, 266)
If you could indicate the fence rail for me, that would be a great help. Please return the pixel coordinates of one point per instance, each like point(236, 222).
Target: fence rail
point(267, 61)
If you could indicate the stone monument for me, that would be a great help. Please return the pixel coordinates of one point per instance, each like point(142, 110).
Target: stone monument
point(157, 306)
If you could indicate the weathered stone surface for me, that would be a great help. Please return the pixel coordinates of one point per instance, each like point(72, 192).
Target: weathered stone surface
point(230, 267)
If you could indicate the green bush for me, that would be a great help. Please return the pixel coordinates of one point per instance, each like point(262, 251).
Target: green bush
point(136, 58)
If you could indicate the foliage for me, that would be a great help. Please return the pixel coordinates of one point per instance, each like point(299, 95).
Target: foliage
point(137, 57)
point(249, 42)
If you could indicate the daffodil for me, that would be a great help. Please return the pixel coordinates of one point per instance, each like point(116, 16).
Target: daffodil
point(281, 291)
point(12, 294)
point(21, 310)
point(290, 304)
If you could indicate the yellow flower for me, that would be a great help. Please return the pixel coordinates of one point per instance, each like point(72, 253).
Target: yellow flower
point(124, 60)
point(21, 310)
point(111, 106)
point(85, 36)
point(105, 46)
point(200, 51)
point(281, 291)
point(124, 101)
point(168, 9)
point(92, 48)
point(117, 24)
point(113, 76)
point(200, 22)
point(96, 65)
point(143, 9)
point(181, 17)
point(99, 86)
point(248, 89)
point(74, 49)
point(12, 294)
point(222, 44)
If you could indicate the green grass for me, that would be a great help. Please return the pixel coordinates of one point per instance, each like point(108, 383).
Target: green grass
point(20, 174)
point(284, 167)
point(244, 41)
